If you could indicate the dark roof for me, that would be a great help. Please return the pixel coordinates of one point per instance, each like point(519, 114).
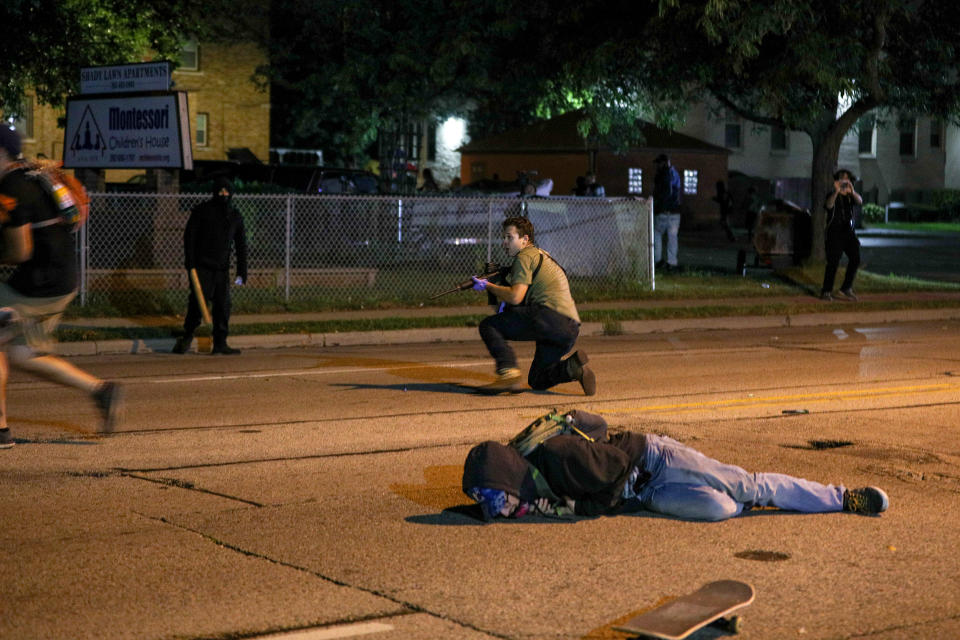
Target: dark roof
point(560, 135)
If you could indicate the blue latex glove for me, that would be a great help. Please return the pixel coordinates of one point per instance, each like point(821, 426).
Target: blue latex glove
point(478, 283)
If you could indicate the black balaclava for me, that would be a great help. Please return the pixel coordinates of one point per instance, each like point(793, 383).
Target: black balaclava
point(222, 183)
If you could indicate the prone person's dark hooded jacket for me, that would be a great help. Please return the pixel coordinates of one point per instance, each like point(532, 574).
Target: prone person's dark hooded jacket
point(592, 473)
point(214, 226)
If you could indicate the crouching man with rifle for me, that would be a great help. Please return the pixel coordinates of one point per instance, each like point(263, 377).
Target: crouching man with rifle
point(535, 304)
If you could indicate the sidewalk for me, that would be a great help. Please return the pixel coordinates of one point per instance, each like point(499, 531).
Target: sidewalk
point(701, 249)
point(832, 313)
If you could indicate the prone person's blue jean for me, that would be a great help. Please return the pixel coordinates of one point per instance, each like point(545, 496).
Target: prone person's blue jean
point(687, 484)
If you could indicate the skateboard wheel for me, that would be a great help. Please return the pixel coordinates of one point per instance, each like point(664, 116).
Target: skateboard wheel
point(733, 624)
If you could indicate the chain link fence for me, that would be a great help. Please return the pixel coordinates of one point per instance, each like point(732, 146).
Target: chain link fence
point(324, 252)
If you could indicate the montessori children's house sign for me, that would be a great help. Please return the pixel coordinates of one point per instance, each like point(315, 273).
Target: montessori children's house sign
point(127, 131)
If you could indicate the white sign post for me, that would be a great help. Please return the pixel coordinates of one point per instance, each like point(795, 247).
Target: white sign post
point(128, 132)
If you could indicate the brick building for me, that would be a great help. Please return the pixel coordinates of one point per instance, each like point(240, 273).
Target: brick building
point(227, 110)
point(555, 149)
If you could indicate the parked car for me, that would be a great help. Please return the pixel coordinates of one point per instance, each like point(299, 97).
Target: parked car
point(331, 181)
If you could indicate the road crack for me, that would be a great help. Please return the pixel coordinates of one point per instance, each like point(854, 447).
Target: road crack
point(406, 607)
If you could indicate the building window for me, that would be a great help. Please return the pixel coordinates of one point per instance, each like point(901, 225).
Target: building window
point(189, 56)
point(936, 133)
point(203, 122)
point(867, 137)
point(24, 124)
point(733, 135)
point(690, 180)
point(634, 180)
point(432, 142)
point(778, 140)
point(908, 136)
point(477, 171)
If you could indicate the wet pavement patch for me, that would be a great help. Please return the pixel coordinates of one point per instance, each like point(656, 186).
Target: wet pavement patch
point(762, 556)
point(440, 488)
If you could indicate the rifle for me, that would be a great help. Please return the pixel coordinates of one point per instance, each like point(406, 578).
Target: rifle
point(467, 284)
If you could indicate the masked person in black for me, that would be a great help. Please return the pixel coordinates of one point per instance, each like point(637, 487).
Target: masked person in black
point(840, 235)
point(214, 227)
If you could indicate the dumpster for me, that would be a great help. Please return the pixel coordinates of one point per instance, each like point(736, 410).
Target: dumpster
point(783, 234)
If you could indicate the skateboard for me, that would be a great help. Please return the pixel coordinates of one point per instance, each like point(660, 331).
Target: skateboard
point(679, 618)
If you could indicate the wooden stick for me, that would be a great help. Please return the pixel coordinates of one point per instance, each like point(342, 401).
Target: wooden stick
point(201, 300)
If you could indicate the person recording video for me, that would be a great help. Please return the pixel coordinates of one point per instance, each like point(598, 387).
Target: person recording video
point(840, 236)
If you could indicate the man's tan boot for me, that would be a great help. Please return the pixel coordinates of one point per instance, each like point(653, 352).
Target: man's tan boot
point(508, 381)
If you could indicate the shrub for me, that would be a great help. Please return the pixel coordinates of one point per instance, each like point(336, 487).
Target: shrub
point(873, 213)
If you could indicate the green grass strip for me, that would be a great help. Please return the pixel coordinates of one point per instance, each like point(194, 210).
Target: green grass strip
point(73, 334)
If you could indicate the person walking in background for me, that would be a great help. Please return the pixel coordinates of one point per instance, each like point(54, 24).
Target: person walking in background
point(429, 183)
point(666, 212)
point(725, 201)
point(580, 188)
point(840, 236)
point(214, 228)
point(42, 246)
point(752, 203)
point(593, 188)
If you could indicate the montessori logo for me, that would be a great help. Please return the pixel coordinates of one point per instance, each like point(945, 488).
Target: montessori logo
point(88, 137)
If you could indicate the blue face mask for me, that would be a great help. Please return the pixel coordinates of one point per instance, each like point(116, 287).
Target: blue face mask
point(491, 501)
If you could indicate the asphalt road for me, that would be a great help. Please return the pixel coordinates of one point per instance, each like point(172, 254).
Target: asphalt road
point(925, 256)
point(319, 490)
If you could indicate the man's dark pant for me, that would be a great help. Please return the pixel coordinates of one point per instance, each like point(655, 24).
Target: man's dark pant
point(216, 288)
point(554, 333)
point(838, 242)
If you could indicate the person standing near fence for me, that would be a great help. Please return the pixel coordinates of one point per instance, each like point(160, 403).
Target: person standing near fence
point(33, 299)
point(534, 305)
point(213, 230)
point(666, 212)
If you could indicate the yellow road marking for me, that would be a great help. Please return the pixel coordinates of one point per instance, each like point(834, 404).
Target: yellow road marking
point(808, 397)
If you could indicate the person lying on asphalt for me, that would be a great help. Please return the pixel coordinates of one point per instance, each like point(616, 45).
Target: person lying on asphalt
point(569, 475)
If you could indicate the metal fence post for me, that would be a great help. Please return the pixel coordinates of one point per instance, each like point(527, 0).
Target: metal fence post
point(489, 231)
point(82, 241)
point(399, 221)
point(287, 250)
point(650, 248)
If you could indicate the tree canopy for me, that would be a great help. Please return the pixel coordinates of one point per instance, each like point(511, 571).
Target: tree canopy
point(46, 42)
point(819, 66)
point(816, 66)
point(342, 71)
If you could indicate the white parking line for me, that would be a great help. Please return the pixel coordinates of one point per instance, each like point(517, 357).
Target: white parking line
point(327, 633)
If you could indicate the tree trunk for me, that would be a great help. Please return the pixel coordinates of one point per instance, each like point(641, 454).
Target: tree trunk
point(826, 149)
point(826, 141)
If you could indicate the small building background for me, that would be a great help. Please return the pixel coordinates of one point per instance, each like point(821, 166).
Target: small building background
point(896, 156)
point(555, 149)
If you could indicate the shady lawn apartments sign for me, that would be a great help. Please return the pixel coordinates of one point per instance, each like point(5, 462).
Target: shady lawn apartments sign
point(133, 130)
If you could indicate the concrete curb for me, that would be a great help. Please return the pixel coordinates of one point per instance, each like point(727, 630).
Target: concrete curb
point(462, 334)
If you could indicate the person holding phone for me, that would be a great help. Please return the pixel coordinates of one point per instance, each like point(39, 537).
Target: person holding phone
point(840, 235)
